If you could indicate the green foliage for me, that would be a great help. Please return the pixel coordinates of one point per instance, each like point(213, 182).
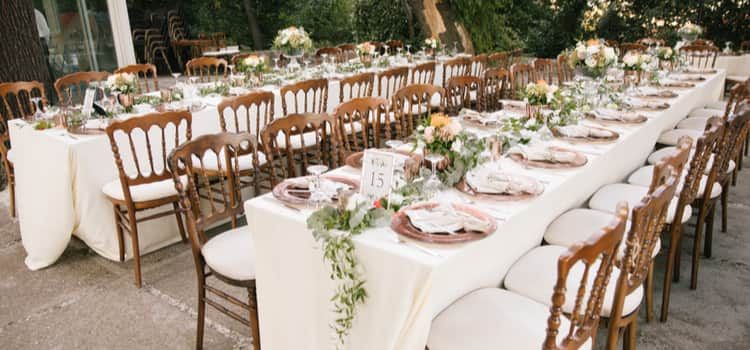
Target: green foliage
point(488, 23)
point(382, 20)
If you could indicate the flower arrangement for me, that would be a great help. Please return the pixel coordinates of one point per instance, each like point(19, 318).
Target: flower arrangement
point(665, 53)
point(366, 49)
point(634, 61)
point(690, 30)
point(252, 64)
point(593, 57)
point(519, 130)
point(443, 135)
point(539, 93)
point(124, 83)
point(433, 43)
point(292, 41)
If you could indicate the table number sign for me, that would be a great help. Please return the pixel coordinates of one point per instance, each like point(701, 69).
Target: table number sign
point(377, 174)
point(88, 101)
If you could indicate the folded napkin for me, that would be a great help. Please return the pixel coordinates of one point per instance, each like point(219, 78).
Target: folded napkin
point(444, 218)
point(638, 103)
point(686, 77)
point(612, 114)
point(513, 104)
point(582, 131)
point(695, 70)
point(486, 179)
point(676, 83)
point(328, 187)
point(544, 154)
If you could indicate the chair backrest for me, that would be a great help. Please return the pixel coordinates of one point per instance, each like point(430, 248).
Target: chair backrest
point(651, 41)
point(411, 104)
point(546, 69)
point(521, 74)
point(16, 100)
point(240, 56)
point(705, 147)
point(676, 161)
point(597, 257)
point(456, 67)
point(423, 73)
point(309, 96)
point(478, 65)
point(207, 68)
point(514, 56)
point(348, 50)
point(565, 73)
point(71, 88)
point(297, 141)
point(393, 45)
point(700, 56)
point(356, 86)
point(141, 72)
point(702, 42)
point(731, 143)
point(390, 81)
point(359, 121)
point(458, 93)
point(247, 113)
point(140, 146)
point(495, 88)
point(334, 52)
point(498, 60)
point(627, 47)
point(737, 94)
point(222, 198)
point(612, 43)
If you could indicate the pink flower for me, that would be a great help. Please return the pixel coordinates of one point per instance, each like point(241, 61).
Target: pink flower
point(429, 134)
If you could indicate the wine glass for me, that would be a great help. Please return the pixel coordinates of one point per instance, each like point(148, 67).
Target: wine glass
point(37, 108)
point(398, 51)
point(433, 184)
point(455, 48)
point(317, 196)
point(176, 78)
point(408, 49)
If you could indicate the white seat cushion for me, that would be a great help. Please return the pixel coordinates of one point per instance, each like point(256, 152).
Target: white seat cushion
point(657, 156)
point(706, 113)
point(738, 78)
point(246, 161)
point(232, 254)
point(642, 177)
point(491, 319)
point(671, 137)
point(535, 275)
point(142, 193)
point(309, 138)
point(720, 105)
point(607, 197)
point(10, 156)
point(580, 224)
point(698, 124)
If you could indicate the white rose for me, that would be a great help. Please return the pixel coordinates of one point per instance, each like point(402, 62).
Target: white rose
point(457, 146)
point(610, 54)
point(592, 50)
point(591, 62)
point(630, 59)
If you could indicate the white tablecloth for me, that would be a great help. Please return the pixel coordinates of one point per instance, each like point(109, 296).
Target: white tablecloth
point(735, 66)
point(59, 181)
point(408, 287)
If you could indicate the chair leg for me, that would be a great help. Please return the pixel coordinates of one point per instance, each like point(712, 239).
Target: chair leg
point(631, 336)
point(724, 202)
point(180, 226)
point(201, 312)
point(697, 246)
point(673, 255)
point(12, 193)
point(649, 289)
point(120, 237)
point(677, 260)
point(708, 241)
point(613, 335)
point(254, 325)
point(747, 144)
point(136, 249)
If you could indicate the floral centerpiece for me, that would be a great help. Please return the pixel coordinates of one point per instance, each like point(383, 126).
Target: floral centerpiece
point(537, 96)
point(690, 32)
point(433, 44)
point(443, 135)
point(366, 52)
point(633, 63)
point(253, 66)
point(293, 41)
point(592, 58)
point(125, 85)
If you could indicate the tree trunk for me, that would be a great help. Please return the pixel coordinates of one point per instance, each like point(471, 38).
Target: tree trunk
point(254, 27)
point(21, 56)
point(409, 17)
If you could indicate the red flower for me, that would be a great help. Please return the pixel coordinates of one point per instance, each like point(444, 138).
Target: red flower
point(377, 204)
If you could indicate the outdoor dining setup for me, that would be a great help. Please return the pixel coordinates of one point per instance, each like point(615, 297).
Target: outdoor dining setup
point(381, 195)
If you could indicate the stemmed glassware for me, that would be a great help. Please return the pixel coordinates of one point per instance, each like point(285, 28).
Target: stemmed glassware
point(317, 196)
point(176, 78)
point(37, 108)
point(433, 184)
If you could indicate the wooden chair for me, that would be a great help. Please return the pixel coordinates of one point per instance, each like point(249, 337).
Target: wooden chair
point(348, 50)
point(575, 292)
point(297, 141)
point(648, 41)
point(495, 88)
point(423, 73)
point(390, 81)
point(359, 121)
point(144, 184)
point(514, 56)
point(71, 88)
point(700, 56)
point(208, 200)
point(478, 66)
point(379, 47)
point(309, 96)
point(16, 103)
point(207, 68)
point(456, 67)
point(410, 105)
point(565, 73)
point(334, 52)
point(459, 94)
point(248, 113)
point(141, 72)
point(498, 60)
point(745, 46)
point(547, 70)
point(703, 42)
point(627, 47)
point(240, 56)
point(521, 74)
point(612, 43)
point(356, 86)
point(394, 45)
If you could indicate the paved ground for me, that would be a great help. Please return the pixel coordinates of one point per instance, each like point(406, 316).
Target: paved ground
point(87, 302)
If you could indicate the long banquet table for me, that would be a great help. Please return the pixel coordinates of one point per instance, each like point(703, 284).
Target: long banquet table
point(406, 286)
point(735, 65)
point(59, 179)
